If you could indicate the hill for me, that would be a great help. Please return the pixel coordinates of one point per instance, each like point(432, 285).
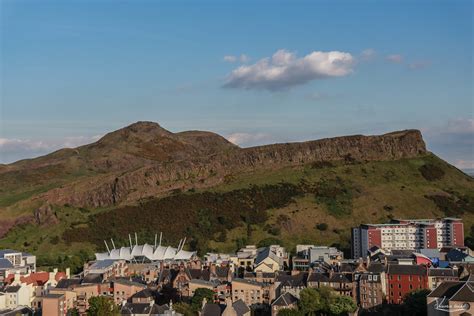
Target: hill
point(145, 179)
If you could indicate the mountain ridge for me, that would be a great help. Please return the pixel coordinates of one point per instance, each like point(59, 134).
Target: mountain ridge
point(144, 159)
point(183, 181)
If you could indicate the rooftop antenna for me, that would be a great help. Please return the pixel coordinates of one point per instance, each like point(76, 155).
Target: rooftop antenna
point(156, 236)
point(113, 245)
point(161, 235)
point(130, 239)
point(182, 246)
point(136, 239)
point(107, 246)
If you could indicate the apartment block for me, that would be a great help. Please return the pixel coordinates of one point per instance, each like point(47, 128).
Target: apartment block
point(410, 234)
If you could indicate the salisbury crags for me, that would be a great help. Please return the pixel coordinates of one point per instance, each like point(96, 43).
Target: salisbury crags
point(144, 160)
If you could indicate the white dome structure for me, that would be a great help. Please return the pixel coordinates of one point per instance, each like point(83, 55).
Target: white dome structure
point(146, 252)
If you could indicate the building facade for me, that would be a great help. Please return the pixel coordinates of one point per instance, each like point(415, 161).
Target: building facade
point(408, 234)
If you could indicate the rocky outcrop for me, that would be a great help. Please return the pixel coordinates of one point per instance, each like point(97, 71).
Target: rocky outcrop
point(210, 165)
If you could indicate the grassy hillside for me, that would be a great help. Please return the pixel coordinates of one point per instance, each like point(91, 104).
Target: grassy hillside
point(316, 203)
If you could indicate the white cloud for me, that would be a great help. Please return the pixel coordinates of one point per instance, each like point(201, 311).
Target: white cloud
point(247, 139)
point(12, 149)
point(367, 54)
point(284, 70)
point(232, 59)
point(395, 58)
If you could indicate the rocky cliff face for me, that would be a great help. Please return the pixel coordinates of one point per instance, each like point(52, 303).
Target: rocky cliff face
point(165, 161)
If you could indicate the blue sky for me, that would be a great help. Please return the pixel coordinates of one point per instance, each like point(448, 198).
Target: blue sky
point(253, 71)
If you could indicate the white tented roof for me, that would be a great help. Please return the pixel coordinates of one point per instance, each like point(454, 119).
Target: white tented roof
point(159, 253)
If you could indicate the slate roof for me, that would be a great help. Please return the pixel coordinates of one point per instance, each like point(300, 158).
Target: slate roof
point(341, 278)
point(5, 264)
point(143, 308)
point(92, 278)
point(211, 310)
point(455, 291)
point(102, 264)
point(145, 293)
point(240, 307)
point(67, 283)
point(465, 293)
point(296, 280)
point(318, 277)
point(286, 299)
point(376, 267)
point(266, 253)
point(12, 289)
point(222, 272)
point(442, 272)
point(198, 274)
point(447, 288)
point(406, 269)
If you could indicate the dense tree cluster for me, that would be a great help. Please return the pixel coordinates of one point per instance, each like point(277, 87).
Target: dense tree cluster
point(321, 301)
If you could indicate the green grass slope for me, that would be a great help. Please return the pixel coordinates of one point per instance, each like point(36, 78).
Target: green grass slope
point(316, 203)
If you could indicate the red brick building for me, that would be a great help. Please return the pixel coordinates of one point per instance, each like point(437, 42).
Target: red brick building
point(403, 279)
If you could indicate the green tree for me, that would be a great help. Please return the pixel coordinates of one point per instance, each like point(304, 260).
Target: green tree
point(184, 308)
point(102, 306)
point(341, 305)
point(73, 312)
point(290, 312)
point(199, 295)
point(310, 301)
point(414, 303)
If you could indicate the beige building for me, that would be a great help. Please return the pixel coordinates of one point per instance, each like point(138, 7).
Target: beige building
point(54, 305)
point(124, 289)
point(250, 292)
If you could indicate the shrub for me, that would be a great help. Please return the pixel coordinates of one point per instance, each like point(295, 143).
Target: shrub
point(322, 226)
point(431, 172)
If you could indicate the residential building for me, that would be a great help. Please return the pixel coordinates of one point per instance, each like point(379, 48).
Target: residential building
point(402, 279)
point(124, 289)
point(285, 300)
point(268, 260)
point(371, 285)
point(408, 234)
point(12, 261)
point(250, 292)
point(17, 295)
point(108, 268)
point(436, 276)
point(451, 298)
point(329, 255)
point(54, 305)
point(290, 283)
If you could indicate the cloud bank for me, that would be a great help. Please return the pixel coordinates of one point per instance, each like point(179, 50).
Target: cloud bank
point(12, 149)
point(249, 139)
point(453, 141)
point(284, 70)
